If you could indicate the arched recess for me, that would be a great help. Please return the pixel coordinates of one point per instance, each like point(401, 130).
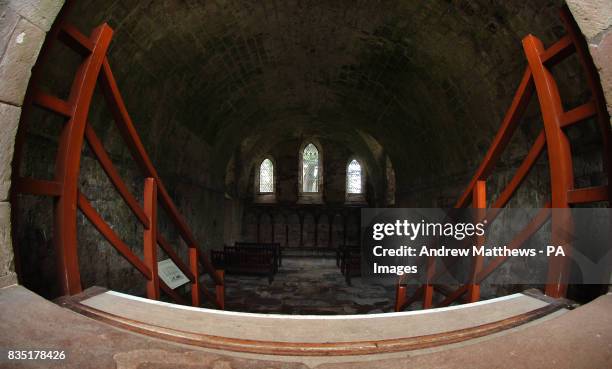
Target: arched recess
point(249, 230)
point(280, 229)
point(356, 181)
point(283, 148)
point(311, 169)
point(323, 231)
point(266, 229)
point(265, 179)
point(294, 229)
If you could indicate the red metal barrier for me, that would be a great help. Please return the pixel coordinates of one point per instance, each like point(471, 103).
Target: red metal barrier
point(563, 194)
point(64, 187)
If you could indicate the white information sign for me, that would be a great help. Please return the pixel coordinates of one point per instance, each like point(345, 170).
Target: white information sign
point(171, 274)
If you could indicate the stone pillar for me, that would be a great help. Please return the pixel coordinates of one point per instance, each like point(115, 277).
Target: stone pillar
point(594, 17)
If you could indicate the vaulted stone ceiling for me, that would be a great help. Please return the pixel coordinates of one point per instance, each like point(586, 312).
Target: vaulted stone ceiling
point(429, 80)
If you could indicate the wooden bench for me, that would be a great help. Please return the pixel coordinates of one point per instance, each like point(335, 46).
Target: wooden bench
point(245, 261)
point(274, 247)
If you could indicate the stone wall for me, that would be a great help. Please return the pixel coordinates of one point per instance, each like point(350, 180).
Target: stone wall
point(23, 25)
point(335, 161)
point(286, 207)
point(594, 17)
point(182, 160)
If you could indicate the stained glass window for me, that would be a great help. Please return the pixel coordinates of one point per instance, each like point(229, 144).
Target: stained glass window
point(310, 169)
point(353, 177)
point(266, 176)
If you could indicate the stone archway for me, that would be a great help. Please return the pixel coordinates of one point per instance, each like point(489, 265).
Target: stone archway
point(26, 22)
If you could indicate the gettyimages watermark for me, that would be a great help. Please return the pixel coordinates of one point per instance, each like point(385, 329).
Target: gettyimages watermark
point(515, 245)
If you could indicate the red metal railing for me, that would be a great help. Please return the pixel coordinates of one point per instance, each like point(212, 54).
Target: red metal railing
point(563, 194)
point(94, 69)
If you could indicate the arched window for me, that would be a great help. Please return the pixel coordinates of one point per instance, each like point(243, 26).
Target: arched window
point(353, 177)
point(310, 169)
point(266, 176)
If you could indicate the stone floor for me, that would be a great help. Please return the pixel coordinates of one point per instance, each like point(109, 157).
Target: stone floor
point(579, 339)
point(307, 285)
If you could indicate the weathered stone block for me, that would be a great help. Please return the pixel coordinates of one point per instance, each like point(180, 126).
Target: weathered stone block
point(593, 16)
point(8, 280)
point(602, 56)
point(16, 65)
point(6, 250)
point(42, 13)
point(9, 120)
point(8, 21)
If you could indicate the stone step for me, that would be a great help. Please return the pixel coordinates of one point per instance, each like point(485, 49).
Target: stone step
point(276, 334)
